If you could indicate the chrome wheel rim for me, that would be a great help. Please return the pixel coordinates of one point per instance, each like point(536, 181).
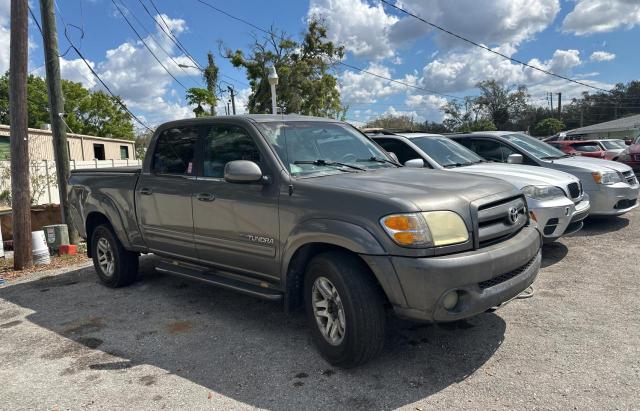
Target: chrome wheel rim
point(328, 310)
point(105, 257)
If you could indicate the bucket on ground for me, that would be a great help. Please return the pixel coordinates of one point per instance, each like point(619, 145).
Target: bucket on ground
point(40, 248)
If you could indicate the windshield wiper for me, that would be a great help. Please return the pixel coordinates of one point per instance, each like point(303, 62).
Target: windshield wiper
point(458, 165)
point(378, 160)
point(321, 162)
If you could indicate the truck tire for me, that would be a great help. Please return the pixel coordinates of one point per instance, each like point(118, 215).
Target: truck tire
point(345, 309)
point(115, 266)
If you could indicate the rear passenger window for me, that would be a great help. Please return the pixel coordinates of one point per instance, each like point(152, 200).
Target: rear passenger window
point(174, 152)
point(225, 143)
point(492, 150)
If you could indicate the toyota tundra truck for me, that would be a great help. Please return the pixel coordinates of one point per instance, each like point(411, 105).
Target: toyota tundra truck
point(310, 212)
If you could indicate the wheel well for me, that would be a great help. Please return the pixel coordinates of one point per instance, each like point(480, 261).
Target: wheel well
point(94, 220)
point(296, 271)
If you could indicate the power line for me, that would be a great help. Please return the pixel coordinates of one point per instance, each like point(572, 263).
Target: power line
point(268, 32)
point(146, 45)
point(489, 49)
point(152, 36)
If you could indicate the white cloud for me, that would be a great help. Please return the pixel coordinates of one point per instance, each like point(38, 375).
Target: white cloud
point(391, 111)
point(489, 22)
point(461, 71)
point(598, 16)
point(602, 56)
point(357, 87)
point(368, 29)
point(429, 106)
point(241, 97)
point(362, 28)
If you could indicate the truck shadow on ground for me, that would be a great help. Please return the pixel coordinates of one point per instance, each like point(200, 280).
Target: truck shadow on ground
point(553, 253)
point(237, 346)
point(602, 225)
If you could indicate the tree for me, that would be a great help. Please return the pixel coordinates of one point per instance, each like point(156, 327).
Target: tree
point(390, 122)
point(142, 143)
point(87, 112)
point(210, 75)
point(548, 126)
point(305, 83)
point(199, 97)
point(505, 106)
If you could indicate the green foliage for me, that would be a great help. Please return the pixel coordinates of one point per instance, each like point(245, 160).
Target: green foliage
point(88, 112)
point(504, 106)
point(305, 83)
point(210, 75)
point(548, 127)
point(199, 97)
point(397, 123)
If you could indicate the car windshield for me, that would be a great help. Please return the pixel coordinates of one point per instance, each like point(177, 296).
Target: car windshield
point(534, 147)
point(446, 152)
point(613, 144)
point(587, 147)
point(319, 147)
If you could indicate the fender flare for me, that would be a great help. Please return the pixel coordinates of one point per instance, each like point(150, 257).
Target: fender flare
point(100, 203)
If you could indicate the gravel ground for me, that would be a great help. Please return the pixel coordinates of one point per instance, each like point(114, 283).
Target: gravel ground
point(66, 342)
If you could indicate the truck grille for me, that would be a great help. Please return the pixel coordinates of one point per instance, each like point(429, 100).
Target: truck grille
point(575, 190)
point(630, 178)
point(499, 220)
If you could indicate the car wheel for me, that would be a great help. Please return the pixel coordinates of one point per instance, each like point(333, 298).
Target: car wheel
point(345, 309)
point(115, 266)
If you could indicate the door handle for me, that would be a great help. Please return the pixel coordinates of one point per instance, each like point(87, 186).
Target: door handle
point(205, 197)
point(146, 191)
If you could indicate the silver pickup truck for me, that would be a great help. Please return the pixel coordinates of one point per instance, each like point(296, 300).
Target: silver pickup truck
point(310, 212)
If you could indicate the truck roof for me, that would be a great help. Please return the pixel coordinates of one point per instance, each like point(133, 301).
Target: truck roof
point(257, 118)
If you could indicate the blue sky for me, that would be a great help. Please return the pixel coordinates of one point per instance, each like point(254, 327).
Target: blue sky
point(590, 40)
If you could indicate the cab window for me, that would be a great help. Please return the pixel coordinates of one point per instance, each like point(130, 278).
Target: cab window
point(174, 151)
point(224, 143)
point(492, 150)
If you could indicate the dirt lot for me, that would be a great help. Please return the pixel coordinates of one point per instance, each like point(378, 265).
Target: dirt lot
point(67, 342)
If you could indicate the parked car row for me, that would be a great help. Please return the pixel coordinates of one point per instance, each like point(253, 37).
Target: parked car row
point(313, 213)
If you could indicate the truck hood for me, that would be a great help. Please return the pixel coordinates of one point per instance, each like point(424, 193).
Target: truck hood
point(427, 189)
point(520, 175)
point(588, 164)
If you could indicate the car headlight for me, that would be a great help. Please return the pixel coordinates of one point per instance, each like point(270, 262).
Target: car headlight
point(543, 192)
point(437, 228)
point(608, 177)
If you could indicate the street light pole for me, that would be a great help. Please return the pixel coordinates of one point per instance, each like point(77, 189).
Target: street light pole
point(273, 81)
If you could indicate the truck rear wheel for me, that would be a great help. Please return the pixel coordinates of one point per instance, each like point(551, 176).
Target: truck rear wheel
point(344, 308)
point(115, 266)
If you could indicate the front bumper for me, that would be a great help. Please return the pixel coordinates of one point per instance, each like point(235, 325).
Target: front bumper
point(483, 278)
point(560, 216)
point(613, 199)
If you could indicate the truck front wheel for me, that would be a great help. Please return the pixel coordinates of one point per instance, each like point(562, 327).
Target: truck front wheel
point(115, 266)
point(344, 308)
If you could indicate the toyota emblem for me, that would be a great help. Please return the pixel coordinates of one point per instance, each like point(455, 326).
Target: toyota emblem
point(513, 215)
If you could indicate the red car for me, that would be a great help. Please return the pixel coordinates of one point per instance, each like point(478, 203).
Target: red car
point(578, 147)
point(631, 156)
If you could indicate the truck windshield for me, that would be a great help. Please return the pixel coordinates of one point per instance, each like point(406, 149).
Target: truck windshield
point(446, 152)
point(312, 147)
point(535, 147)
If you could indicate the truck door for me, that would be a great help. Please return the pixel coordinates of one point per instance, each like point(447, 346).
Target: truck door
point(164, 195)
point(236, 225)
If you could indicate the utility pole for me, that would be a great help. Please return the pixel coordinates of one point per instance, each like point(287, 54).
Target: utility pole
point(551, 102)
point(233, 99)
point(559, 105)
point(20, 185)
point(56, 104)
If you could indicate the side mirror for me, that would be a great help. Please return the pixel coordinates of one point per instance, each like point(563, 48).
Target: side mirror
point(628, 142)
point(414, 163)
point(515, 159)
point(242, 171)
point(394, 157)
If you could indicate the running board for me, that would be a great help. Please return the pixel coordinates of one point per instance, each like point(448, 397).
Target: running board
point(212, 277)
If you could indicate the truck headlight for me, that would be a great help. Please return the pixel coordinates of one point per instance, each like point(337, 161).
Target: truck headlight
point(608, 177)
point(436, 228)
point(543, 192)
